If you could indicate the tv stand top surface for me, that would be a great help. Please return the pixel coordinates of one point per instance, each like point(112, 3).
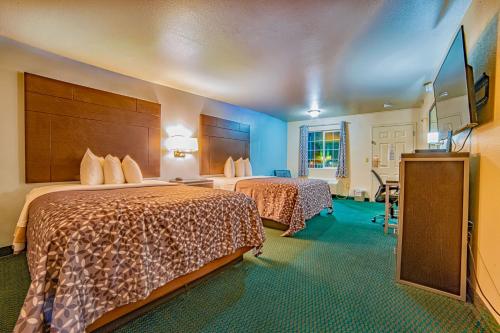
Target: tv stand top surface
point(435, 155)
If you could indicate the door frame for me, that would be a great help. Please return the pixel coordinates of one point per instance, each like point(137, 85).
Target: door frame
point(414, 124)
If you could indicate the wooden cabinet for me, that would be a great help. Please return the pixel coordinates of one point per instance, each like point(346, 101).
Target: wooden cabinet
point(432, 239)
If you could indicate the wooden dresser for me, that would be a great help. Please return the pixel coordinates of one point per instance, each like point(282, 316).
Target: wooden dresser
point(432, 239)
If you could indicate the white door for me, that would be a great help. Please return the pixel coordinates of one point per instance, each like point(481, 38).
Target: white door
point(388, 143)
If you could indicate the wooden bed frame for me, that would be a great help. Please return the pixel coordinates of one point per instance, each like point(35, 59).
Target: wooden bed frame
point(274, 225)
point(165, 290)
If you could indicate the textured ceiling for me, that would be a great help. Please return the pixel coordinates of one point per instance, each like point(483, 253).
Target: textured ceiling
point(278, 57)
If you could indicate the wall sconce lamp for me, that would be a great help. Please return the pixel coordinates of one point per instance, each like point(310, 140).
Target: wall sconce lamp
point(181, 145)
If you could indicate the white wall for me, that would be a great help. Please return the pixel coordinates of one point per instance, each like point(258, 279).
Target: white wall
point(178, 108)
point(359, 142)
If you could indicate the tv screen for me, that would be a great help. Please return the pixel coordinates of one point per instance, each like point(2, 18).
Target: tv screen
point(454, 91)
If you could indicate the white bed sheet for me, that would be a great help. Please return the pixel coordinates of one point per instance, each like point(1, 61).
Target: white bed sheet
point(228, 183)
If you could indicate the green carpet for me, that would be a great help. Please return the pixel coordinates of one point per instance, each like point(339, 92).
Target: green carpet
point(335, 276)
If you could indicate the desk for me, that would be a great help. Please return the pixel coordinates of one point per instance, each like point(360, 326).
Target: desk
point(389, 185)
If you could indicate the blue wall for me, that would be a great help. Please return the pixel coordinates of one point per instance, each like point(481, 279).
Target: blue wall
point(268, 135)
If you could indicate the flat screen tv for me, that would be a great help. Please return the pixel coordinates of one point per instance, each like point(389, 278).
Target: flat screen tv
point(454, 91)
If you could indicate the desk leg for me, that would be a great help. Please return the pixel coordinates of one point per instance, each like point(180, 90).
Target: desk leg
point(387, 208)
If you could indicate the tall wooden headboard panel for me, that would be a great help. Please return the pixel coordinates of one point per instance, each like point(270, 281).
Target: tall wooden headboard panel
point(63, 120)
point(219, 139)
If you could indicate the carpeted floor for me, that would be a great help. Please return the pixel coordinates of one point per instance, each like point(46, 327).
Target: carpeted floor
point(335, 276)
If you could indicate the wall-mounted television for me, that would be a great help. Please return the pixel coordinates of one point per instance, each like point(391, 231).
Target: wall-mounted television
point(454, 91)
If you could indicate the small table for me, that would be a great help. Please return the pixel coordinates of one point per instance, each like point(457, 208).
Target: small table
point(389, 185)
point(199, 182)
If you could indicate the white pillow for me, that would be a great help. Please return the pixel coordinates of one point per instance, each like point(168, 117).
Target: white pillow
point(91, 172)
point(131, 170)
point(229, 168)
point(248, 167)
point(113, 173)
point(239, 168)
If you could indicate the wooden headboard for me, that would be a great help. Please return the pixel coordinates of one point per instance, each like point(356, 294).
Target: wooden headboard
point(62, 120)
point(219, 139)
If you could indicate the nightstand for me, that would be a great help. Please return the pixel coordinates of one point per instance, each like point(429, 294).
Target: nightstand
point(199, 182)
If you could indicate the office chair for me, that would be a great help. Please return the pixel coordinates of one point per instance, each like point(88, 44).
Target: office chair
point(283, 173)
point(380, 197)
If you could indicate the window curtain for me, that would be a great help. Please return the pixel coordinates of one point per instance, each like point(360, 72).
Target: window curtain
point(342, 168)
point(303, 169)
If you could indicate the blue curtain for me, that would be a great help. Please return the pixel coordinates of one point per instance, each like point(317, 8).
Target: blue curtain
point(303, 169)
point(342, 168)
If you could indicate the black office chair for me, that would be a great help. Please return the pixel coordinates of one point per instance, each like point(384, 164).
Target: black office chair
point(283, 173)
point(380, 197)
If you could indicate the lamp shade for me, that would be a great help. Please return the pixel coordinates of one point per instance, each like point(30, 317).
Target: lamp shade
point(182, 143)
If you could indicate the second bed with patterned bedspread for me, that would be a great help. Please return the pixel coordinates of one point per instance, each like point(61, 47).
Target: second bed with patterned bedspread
point(289, 201)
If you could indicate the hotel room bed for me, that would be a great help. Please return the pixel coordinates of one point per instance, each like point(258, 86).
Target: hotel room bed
point(288, 201)
point(91, 251)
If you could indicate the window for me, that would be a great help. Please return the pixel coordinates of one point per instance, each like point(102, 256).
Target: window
point(323, 149)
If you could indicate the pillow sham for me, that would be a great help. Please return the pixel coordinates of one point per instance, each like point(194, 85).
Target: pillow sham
point(131, 170)
point(113, 173)
point(239, 168)
point(229, 168)
point(91, 172)
point(248, 167)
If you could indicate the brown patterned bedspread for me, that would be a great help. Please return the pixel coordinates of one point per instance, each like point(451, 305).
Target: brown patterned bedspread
point(289, 201)
point(92, 251)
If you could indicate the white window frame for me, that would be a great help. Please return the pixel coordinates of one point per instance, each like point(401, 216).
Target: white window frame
point(324, 149)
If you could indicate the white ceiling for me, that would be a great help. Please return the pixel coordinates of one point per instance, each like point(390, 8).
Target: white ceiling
point(278, 57)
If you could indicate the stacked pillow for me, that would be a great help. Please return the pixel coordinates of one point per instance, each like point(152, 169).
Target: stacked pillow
point(248, 167)
point(229, 168)
point(239, 168)
point(131, 170)
point(96, 170)
point(91, 169)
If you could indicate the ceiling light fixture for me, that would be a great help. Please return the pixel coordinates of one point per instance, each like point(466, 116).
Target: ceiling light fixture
point(443, 94)
point(314, 113)
point(387, 105)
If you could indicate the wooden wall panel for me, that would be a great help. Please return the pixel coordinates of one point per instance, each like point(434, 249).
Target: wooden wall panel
point(38, 150)
point(63, 120)
point(70, 137)
point(46, 86)
point(154, 159)
point(219, 139)
point(104, 98)
point(149, 107)
point(77, 109)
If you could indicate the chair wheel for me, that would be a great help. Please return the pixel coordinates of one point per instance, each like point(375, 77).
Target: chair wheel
point(374, 220)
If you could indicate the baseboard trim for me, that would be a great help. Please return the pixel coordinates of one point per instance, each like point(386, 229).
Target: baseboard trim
point(6, 251)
